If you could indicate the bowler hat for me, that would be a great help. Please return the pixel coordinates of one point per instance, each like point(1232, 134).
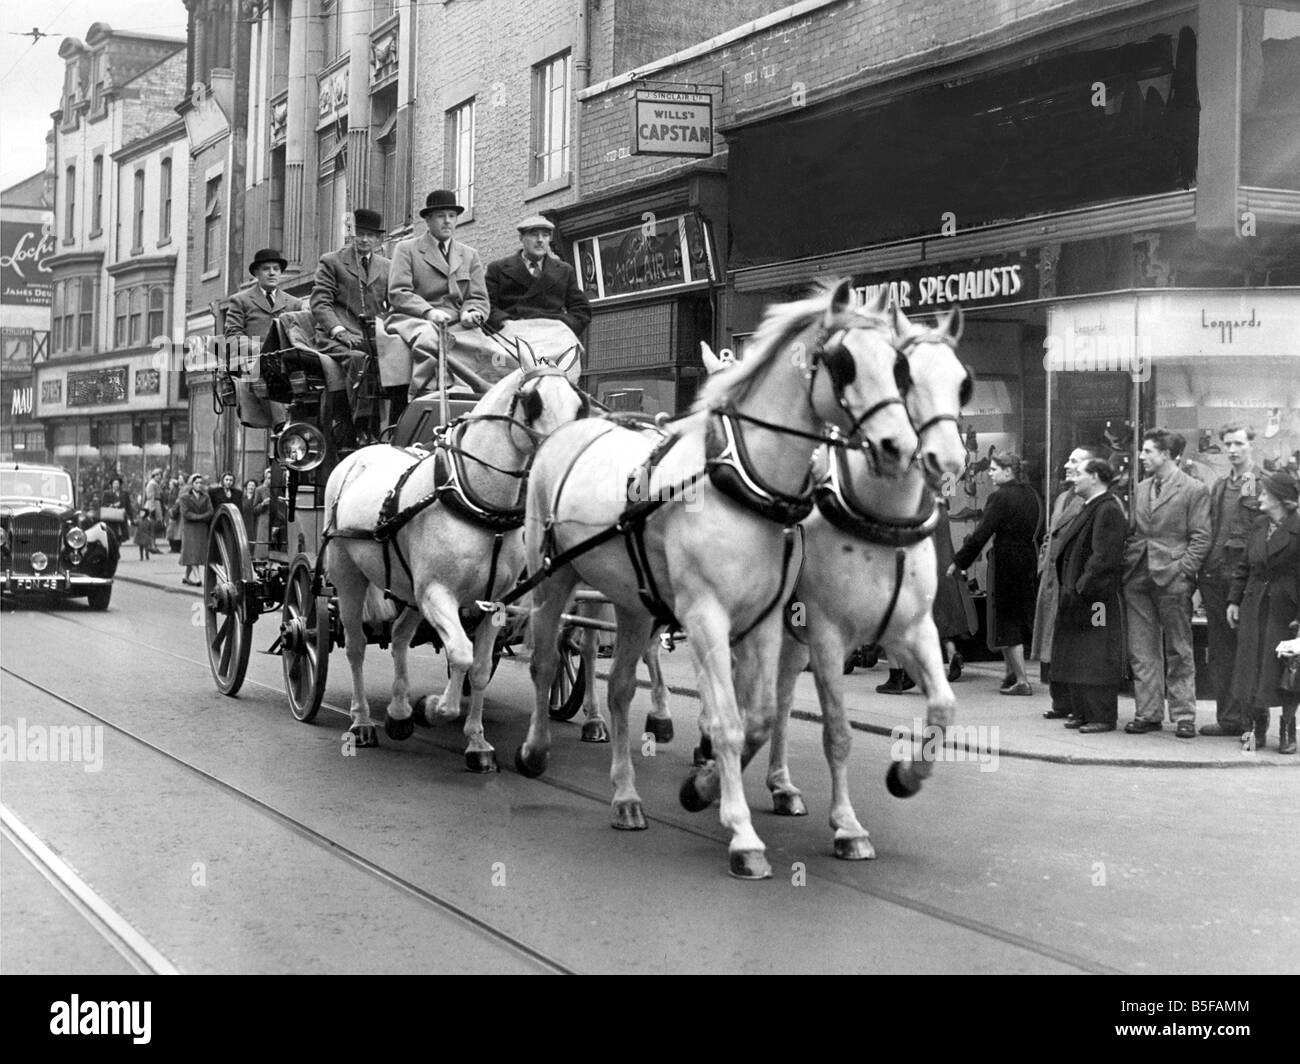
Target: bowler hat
point(442, 199)
point(535, 221)
point(268, 255)
point(1282, 485)
point(368, 219)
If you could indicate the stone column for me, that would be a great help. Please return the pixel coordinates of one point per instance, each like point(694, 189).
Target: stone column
point(356, 31)
point(297, 129)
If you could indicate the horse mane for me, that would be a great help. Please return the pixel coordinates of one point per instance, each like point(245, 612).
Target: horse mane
point(779, 324)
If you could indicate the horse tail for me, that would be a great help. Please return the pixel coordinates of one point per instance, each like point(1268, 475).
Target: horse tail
point(376, 607)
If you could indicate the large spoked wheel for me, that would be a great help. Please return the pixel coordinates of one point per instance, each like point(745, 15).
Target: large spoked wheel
point(304, 641)
point(570, 684)
point(227, 584)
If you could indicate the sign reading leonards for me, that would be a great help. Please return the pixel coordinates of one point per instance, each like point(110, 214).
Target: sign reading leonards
point(672, 123)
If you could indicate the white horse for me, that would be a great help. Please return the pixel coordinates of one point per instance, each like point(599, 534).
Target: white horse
point(875, 582)
point(457, 539)
point(722, 567)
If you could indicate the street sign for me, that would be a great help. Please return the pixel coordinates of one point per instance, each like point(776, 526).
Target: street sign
point(672, 123)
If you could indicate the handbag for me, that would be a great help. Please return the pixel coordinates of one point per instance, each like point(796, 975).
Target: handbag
point(1290, 679)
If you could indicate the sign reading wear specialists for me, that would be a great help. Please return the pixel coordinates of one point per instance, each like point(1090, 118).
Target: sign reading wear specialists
point(24, 277)
point(672, 123)
point(989, 280)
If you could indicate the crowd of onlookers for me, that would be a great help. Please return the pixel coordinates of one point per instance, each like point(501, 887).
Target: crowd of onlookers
point(177, 510)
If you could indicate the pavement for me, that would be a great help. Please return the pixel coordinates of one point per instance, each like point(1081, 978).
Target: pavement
point(992, 724)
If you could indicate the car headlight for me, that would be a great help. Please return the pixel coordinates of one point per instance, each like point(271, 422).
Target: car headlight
point(75, 538)
point(39, 562)
point(301, 446)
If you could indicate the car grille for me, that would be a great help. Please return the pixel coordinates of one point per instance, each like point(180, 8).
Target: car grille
point(35, 532)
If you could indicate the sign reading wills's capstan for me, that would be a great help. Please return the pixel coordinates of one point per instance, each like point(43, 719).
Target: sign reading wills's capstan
point(672, 123)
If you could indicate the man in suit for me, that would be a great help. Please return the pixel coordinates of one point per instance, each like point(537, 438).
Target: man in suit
point(534, 283)
point(436, 281)
point(253, 310)
point(350, 290)
point(1164, 550)
point(1234, 505)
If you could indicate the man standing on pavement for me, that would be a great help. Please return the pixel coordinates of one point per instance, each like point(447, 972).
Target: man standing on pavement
point(349, 292)
point(1165, 548)
point(535, 283)
point(435, 280)
point(1234, 505)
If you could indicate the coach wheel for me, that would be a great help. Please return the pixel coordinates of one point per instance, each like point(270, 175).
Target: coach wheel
point(570, 684)
point(227, 587)
point(304, 641)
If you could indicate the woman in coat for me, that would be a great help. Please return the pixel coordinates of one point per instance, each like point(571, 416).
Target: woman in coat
point(172, 501)
point(1264, 605)
point(1088, 643)
point(1011, 519)
point(196, 515)
point(248, 506)
point(115, 498)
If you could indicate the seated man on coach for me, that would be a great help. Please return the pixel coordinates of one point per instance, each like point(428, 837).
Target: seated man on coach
point(436, 281)
point(538, 290)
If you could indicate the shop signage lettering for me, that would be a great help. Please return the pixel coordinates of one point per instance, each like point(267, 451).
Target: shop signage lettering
point(24, 247)
point(52, 390)
point(21, 403)
point(942, 289)
point(97, 387)
point(672, 123)
point(1227, 326)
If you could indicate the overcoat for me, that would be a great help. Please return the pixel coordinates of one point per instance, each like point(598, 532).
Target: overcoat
point(119, 500)
point(1010, 519)
point(515, 293)
point(1267, 588)
point(1064, 510)
point(1088, 638)
point(196, 515)
point(950, 594)
point(420, 279)
point(250, 314)
point(340, 296)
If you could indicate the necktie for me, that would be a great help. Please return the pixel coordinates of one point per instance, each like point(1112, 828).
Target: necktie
point(445, 247)
point(534, 267)
point(365, 267)
point(270, 296)
point(1155, 488)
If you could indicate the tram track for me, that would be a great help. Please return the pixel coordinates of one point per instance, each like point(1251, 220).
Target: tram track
point(847, 881)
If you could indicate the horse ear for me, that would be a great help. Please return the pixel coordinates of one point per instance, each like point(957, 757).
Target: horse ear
point(898, 322)
point(712, 363)
point(952, 325)
point(841, 300)
point(880, 302)
point(568, 360)
point(524, 352)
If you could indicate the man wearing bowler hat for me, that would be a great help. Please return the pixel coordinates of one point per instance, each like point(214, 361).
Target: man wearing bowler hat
point(534, 283)
point(349, 292)
point(436, 280)
point(253, 310)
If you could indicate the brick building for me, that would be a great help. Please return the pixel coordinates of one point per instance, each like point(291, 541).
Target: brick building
point(110, 394)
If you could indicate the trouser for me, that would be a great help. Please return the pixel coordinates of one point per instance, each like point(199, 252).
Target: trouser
point(1060, 695)
point(397, 400)
point(1097, 704)
point(1160, 647)
point(1222, 644)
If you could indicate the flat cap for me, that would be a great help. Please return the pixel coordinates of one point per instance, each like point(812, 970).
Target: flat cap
point(535, 221)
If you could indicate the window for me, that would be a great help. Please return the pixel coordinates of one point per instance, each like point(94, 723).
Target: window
point(212, 226)
point(137, 224)
point(331, 31)
point(70, 203)
point(460, 150)
point(331, 187)
point(86, 314)
point(119, 318)
point(157, 325)
point(277, 197)
point(97, 195)
point(135, 322)
point(1270, 97)
point(165, 202)
point(551, 119)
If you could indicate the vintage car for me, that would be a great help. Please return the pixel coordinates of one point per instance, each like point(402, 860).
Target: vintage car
point(47, 546)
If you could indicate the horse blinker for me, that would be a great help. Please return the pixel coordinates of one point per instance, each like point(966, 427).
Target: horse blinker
point(840, 365)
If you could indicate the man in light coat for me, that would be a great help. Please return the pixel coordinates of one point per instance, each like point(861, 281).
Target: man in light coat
point(253, 310)
point(436, 281)
point(1163, 553)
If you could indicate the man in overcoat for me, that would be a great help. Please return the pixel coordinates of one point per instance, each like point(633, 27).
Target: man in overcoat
point(434, 281)
point(1166, 546)
point(253, 310)
point(534, 283)
point(1087, 556)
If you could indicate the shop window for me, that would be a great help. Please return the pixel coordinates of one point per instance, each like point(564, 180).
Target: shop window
point(551, 104)
point(460, 153)
point(1270, 97)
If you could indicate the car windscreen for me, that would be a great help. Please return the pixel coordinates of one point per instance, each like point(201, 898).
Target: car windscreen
point(51, 485)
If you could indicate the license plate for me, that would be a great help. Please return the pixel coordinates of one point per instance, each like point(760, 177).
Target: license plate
point(37, 583)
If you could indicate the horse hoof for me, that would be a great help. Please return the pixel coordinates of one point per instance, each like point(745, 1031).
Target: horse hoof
point(532, 769)
point(628, 816)
point(594, 731)
point(398, 730)
point(364, 735)
point(418, 714)
point(897, 785)
point(691, 799)
point(661, 728)
point(787, 804)
point(483, 761)
point(855, 849)
point(750, 864)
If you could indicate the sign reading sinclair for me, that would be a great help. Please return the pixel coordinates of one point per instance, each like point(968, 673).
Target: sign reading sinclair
point(672, 123)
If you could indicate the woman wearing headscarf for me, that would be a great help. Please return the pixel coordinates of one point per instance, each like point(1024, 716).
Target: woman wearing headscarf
point(196, 515)
point(1011, 519)
point(1264, 606)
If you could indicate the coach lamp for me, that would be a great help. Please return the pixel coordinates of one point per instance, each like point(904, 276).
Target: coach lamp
point(300, 447)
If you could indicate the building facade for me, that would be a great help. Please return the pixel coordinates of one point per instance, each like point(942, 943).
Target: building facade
point(111, 393)
point(26, 244)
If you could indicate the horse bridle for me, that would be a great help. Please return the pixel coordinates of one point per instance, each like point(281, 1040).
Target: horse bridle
point(837, 359)
point(968, 382)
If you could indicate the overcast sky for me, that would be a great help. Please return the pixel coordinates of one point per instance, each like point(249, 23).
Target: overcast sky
point(31, 75)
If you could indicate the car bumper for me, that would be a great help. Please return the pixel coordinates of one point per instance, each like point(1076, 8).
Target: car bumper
point(59, 583)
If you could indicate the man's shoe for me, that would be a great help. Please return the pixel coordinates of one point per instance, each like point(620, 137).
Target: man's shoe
point(1185, 729)
point(1141, 727)
point(897, 683)
point(1095, 726)
point(1074, 723)
point(1056, 714)
point(1220, 729)
point(954, 668)
point(1018, 689)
